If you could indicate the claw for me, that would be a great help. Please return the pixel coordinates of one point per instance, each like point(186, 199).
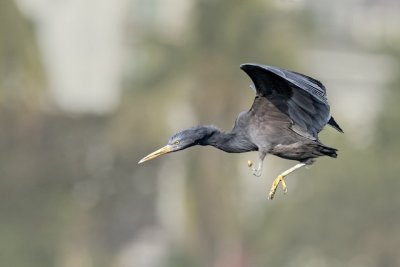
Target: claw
point(256, 172)
point(284, 187)
point(280, 179)
point(274, 186)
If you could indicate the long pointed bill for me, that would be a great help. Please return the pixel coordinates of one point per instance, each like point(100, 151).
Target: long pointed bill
point(164, 150)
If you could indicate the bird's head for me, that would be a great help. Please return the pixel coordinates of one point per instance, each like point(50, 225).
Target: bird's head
point(197, 135)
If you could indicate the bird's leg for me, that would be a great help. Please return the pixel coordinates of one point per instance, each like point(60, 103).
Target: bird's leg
point(280, 179)
point(257, 172)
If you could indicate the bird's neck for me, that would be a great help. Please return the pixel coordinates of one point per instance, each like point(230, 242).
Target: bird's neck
point(229, 142)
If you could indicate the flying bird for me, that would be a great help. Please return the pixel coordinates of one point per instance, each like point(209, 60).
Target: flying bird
point(288, 112)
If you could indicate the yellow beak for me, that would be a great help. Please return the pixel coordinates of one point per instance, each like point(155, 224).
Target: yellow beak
point(164, 150)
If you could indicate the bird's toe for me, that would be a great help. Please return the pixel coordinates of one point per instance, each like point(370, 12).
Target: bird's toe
point(257, 172)
point(274, 186)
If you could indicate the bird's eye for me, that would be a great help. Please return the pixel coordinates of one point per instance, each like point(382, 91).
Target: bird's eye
point(176, 142)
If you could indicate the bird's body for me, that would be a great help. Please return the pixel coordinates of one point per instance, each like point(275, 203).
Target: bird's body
point(271, 131)
point(288, 112)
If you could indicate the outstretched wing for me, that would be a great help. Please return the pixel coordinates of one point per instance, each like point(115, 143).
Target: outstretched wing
point(300, 97)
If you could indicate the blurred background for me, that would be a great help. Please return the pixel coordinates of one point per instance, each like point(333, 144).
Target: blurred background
point(87, 88)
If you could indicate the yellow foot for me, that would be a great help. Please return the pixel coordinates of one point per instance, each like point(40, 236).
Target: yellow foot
point(275, 184)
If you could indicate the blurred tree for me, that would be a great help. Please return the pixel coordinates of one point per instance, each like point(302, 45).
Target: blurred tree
point(21, 73)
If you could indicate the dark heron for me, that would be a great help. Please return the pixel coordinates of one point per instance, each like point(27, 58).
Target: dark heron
point(288, 112)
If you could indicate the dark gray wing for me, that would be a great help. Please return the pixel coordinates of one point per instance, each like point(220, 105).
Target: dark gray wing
point(300, 97)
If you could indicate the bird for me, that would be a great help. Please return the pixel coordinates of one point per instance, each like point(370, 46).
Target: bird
point(288, 112)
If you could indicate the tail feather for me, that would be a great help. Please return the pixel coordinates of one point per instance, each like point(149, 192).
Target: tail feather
point(327, 151)
point(334, 124)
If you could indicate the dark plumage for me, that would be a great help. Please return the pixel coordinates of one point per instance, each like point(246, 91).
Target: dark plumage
point(288, 112)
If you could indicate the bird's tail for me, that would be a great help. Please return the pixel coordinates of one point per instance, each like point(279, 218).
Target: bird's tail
point(327, 151)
